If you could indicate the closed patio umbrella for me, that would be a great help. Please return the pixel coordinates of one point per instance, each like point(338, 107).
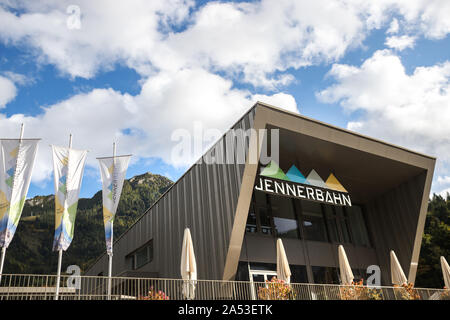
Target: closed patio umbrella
point(397, 275)
point(283, 270)
point(445, 272)
point(188, 266)
point(344, 267)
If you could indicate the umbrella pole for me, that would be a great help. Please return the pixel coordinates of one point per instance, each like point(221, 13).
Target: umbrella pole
point(189, 287)
point(2, 262)
point(58, 277)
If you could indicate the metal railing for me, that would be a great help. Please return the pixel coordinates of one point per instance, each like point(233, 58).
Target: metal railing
point(43, 287)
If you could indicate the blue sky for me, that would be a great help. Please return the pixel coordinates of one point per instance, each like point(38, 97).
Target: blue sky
point(137, 72)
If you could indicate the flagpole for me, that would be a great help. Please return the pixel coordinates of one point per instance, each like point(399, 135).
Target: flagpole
point(58, 277)
point(110, 255)
point(2, 262)
point(60, 251)
point(21, 132)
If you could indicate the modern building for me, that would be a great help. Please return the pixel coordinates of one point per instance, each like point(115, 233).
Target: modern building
point(328, 186)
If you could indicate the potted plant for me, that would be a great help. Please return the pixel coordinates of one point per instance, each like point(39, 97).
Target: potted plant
point(154, 295)
point(276, 289)
point(357, 291)
point(445, 295)
point(406, 292)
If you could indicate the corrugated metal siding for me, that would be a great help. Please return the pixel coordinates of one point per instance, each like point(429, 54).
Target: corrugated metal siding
point(203, 199)
point(392, 220)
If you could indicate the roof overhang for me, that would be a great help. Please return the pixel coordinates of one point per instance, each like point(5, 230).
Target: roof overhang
point(367, 167)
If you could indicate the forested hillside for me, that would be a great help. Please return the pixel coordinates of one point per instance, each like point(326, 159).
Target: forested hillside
point(435, 243)
point(31, 249)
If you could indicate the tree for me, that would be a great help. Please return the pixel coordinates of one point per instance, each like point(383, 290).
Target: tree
point(435, 243)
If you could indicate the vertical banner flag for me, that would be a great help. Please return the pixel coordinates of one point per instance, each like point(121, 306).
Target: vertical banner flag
point(113, 171)
point(68, 166)
point(16, 164)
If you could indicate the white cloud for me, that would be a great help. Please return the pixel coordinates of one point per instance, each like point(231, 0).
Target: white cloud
point(254, 42)
point(441, 183)
point(281, 100)
point(400, 42)
point(257, 43)
point(257, 40)
point(393, 27)
point(261, 38)
point(8, 91)
point(443, 179)
point(237, 38)
point(18, 78)
point(423, 17)
point(412, 110)
point(142, 124)
point(444, 193)
point(126, 32)
point(429, 16)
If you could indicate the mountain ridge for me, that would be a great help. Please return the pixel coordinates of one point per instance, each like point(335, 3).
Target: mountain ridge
point(30, 250)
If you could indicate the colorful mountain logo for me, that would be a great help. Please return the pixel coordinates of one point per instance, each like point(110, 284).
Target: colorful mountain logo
point(272, 170)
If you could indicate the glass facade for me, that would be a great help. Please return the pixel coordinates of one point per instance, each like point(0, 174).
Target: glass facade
point(332, 223)
point(343, 225)
point(325, 275)
point(285, 217)
point(289, 218)
point(265, 222)
point(251, 225)
point(313, 221)
point(359, 229)
point(285, 220)
point(298, 274)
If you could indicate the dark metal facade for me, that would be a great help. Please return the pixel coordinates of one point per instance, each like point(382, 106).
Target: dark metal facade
point(393, 219)
point(203, 199)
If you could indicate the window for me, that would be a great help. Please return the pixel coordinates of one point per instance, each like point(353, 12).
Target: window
point(266, 226)
point(242, 271)
point(284, 217)
point(313, 222)
point(333, 230)
point(358, 226)
point(258, 219)
point(251, 226)
point(260, 198)
point(343, 224)
point(325, 275)
point(263, 266)
point(142, 256)
point(298, 274)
